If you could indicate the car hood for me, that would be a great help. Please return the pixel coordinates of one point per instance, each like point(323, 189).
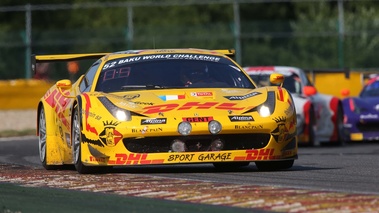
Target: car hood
point(189, 101)
point(369, 104)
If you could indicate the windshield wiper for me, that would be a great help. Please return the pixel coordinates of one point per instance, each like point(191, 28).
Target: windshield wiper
point(148, 86)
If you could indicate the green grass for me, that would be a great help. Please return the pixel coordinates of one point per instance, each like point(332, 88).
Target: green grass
point(14, 198)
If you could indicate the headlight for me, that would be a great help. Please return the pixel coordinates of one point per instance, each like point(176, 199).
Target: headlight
point(214, 127)
point(184, 128)
point(121, 115)
point(267, 108)
point(117, 112)
point(264, 111)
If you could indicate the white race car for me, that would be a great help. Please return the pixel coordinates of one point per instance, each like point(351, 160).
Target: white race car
point(319, 116)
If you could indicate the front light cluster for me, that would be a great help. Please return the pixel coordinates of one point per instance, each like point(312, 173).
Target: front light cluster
point(267, 108)
point(185, 128)
point(117, 112)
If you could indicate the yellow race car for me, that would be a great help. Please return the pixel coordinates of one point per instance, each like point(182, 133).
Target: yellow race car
point(165, 106)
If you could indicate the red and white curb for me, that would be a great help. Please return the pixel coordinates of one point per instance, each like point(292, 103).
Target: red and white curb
point(274, 199)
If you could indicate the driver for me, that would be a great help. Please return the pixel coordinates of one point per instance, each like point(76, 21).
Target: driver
point(195, 74)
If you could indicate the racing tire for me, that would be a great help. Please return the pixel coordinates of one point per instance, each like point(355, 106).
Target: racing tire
point(76, 130)
point(42, 141)
point(339, 125)
point(274, 165)
point(312, 126)
point(230, 165)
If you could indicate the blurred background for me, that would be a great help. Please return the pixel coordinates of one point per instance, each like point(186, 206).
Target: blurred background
point(304, 33)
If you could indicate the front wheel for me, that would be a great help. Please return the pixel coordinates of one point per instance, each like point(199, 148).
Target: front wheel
point(312, 128)
point(76, 143)
point(274, 165)
point(76, 130)
point(339, 125)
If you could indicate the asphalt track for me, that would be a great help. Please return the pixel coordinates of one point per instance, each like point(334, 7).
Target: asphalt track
point(323, 179)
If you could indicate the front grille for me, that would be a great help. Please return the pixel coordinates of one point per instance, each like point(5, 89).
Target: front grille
point(197, 143)
point(368, 127)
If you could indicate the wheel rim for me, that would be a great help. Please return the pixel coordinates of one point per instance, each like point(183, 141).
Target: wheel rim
point(42, 136)
point(76, 138)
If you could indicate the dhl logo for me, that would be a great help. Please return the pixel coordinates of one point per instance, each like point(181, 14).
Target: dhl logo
point(133, 159)
point(191, 105)
point(256, 154)
point(59, 103)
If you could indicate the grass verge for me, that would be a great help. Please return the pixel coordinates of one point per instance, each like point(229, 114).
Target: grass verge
point(19, 199)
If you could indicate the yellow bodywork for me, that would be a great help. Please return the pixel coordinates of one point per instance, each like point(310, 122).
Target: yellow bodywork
point(103, 137)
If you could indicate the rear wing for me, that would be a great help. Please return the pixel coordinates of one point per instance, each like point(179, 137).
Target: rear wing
point(82, 56)
point(228, 52)
point(63, 57)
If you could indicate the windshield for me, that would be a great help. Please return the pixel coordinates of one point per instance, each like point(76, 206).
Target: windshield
point(171, 74)
point(371, 90)
point(292, 83)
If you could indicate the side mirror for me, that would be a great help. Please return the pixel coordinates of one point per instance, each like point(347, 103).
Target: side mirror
point(345, 92)
point(276, 78)
point(309, 90)
point(64, 85)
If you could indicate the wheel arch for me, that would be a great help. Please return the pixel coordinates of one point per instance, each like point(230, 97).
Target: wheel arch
point(49, 116)
point(77, 103)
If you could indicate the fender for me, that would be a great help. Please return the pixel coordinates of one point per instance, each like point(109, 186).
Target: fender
point(53, 152)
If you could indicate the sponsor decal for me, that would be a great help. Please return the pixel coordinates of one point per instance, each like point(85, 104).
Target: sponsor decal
point(143, 103)
point(280, 133)
point(132, 159)
point(201, 94)
point(92, 115)
point(110, 136)
point(171, 97)
point(198, 119)
point(59, 103)
point(248, 127)
point(280, 93)
point(131, 96)
point(256, 154)
point(236, 118)
point(146, 129)
point(198, 57)
point(279, 119)
point(191, 105)
point(89, 128)
point(154, 121)
point(242, 97)
point(201, 157)
point(369, 116)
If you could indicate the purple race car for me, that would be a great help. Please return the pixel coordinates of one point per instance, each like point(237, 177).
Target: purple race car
point(361, 119)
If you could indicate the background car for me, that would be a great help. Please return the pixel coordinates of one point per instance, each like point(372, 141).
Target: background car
point(319, 116)
point(165, 106)
point(361, 120)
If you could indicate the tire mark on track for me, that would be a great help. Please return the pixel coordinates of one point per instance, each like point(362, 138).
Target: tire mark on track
point(276, 199)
